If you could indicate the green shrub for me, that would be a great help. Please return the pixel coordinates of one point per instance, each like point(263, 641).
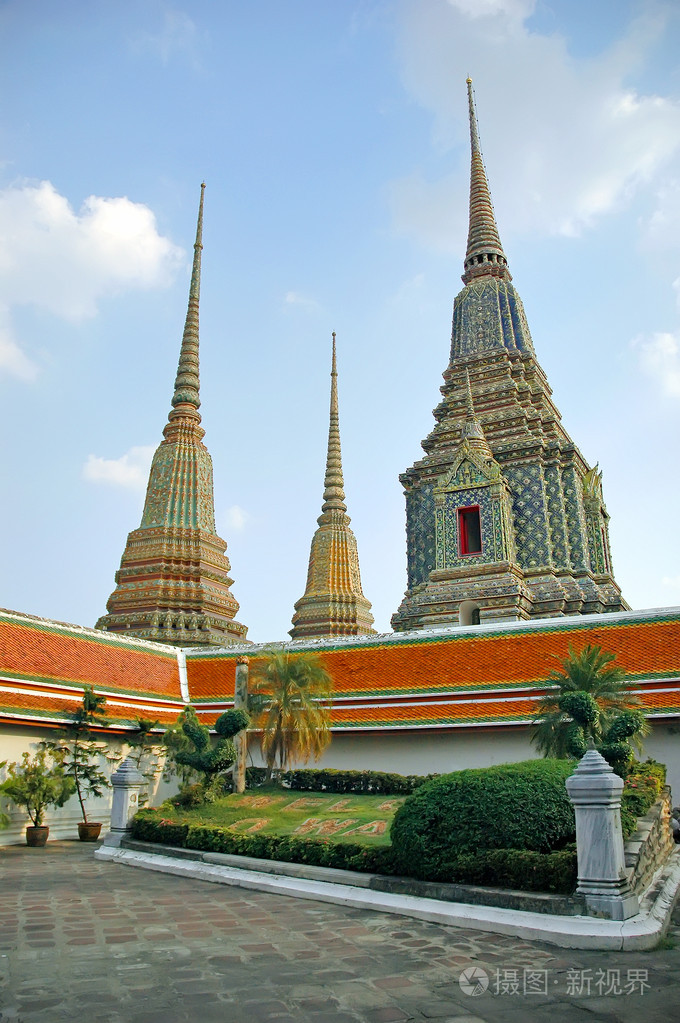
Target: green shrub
point(509, 868)
point(357, 782)
point(642, 788)
point(255, 776)
point(147, 826)
point(513, 806)
point(516, 868)
point(189, 797)
point(363, 783)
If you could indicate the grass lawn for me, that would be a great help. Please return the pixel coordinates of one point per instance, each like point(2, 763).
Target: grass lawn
point(272, 810)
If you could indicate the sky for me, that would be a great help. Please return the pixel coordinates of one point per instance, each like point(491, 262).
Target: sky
point(333, 140)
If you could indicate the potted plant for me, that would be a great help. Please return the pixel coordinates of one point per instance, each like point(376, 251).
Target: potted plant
point(35, 783)
point(81, 754)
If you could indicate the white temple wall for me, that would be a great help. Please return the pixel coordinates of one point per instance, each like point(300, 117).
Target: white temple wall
point(62, 821)
point(416, 752)
point(427, 752)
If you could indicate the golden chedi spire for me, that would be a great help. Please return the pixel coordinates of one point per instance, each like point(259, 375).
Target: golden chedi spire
point(333, 603)
point(173, 584)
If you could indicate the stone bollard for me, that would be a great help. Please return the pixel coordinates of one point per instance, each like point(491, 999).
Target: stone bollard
point(240, 740)
point(595, 792)
point(126, 781)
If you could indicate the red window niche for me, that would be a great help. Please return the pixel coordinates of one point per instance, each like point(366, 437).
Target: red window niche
point(470, 530)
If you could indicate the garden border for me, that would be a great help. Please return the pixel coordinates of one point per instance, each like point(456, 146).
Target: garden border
point(640, 932)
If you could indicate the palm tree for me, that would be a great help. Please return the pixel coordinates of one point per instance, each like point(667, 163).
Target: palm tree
point(289, 696)
point(590, 694)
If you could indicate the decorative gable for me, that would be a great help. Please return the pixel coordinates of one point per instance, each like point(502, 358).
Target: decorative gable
point(469, 469)
point(473, 484)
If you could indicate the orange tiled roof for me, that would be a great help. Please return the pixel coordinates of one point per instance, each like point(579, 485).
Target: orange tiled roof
point(449, 678)
point(36, 649)
point(400, 680)
point(45, 665)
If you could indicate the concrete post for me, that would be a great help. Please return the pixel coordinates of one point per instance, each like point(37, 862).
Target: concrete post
point(595, 792)
point(126, 781)
point(240, 740)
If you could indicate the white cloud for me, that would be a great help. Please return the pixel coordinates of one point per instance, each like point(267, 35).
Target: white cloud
point(65, 262)
point(235, 518)
point(514, 9)
point(177, 37)
point(130, 471)
point(659, 358)
point(566, 140)
point(294, 298)
point(662, 231)
point(13, 361)
point(673, 582)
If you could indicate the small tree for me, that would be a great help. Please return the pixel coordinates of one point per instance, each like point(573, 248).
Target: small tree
point(289, 695)
point(194, 751)
point(37, 782)
point(591, 700)
point(80, 753)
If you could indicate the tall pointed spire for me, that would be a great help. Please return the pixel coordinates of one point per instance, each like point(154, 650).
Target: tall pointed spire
point(472, 430)
point(173, 584)
point(333, 603)
point(187, 380)
point(334, 493)
point(484, 253)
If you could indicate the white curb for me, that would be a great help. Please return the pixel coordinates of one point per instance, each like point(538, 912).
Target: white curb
point(638, 933)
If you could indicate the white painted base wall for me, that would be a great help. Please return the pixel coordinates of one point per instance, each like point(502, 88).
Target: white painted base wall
point(427, 752)
point(443, 751)
point(62, 822)
point(402, 752)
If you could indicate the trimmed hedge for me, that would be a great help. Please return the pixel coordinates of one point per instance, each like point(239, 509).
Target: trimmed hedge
point(345, 856)
point(511, 868)
point(148, 827)
point(366, 783)
point(514, 806)
point(515, 868)
point(362, 783)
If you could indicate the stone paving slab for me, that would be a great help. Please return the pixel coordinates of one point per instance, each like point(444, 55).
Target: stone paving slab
point(82, 939)
point(640, 932)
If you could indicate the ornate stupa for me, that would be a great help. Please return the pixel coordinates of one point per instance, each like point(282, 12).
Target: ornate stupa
point(505, 518)
point(173, 583)
point(333, 603)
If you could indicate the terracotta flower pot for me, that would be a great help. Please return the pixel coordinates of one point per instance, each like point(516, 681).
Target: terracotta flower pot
point(88, 832)
point(37, 836)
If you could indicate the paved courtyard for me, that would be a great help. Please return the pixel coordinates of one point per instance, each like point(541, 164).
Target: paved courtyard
point(82, 940)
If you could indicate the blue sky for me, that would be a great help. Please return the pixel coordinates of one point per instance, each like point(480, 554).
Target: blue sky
point(333, 140)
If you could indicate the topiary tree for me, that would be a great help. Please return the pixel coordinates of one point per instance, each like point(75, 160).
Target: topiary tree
point(199, 754)
point(590, 700)
point(511, 806)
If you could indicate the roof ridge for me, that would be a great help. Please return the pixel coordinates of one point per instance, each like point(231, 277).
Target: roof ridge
point(91, 633)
